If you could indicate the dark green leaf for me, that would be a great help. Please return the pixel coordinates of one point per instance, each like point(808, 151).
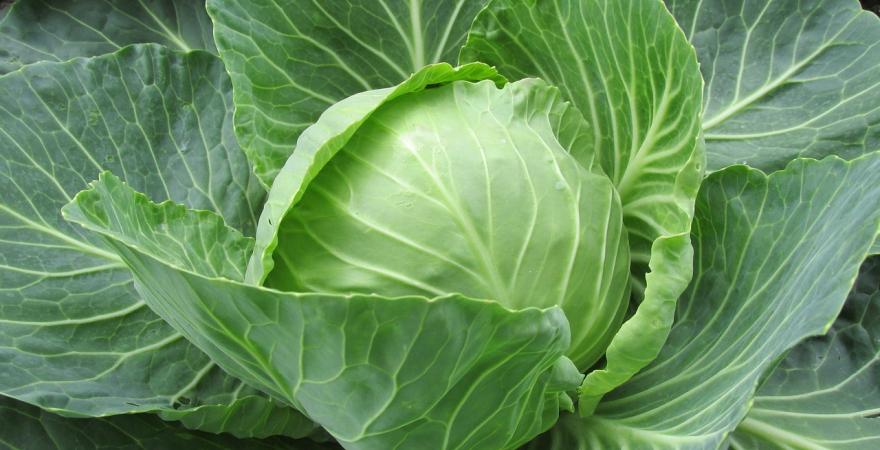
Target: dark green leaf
point(74, 335)
point(774, 259)
point(824, 395)
point(290, 60)
point(630, 70)
point(58, 30)
point(785, 78)
point(25, 427)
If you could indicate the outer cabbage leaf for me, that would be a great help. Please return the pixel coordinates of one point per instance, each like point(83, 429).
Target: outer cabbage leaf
point(785, 78)
point(376, 372)
point(465, 189)
point(775, 257)
point(824, 394)
point(74, 335)
point(26, 427)
point(290, 60)
point(630, 70)
point(58, 30)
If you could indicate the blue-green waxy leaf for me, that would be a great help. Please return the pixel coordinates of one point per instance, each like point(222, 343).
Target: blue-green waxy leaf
point(26, 427)
point(466, 189)
point(785, 78)
point(290, 60)
point(630, 70)
point(75, 337)
point(376, 372)
point(58, 30)
point(824, 393)
point(774, 259)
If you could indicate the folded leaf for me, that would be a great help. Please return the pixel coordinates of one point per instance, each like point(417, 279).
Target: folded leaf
point(631, 72)
point(824, 394)
point(74, 335)
point(785, 78)
point(290, 60)
point(320, 142)
point(58, 30)
point(775, 257)
point(28, 427)
point(375, 372)
point(457, 185)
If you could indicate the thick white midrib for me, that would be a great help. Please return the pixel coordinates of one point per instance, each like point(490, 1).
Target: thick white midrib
point(797, 127)
point(418, 41)
point(815, 415)
point(173, 37)
point(63, 273)
point(79, 245)
point(764, 90)
point(777, 435)
point(441, 45)
point(86, 320)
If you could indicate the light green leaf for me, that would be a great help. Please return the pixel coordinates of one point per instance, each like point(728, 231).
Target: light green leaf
point(824, 394)
point(74, 335)
point(775, 257)
point(58, 30)
point(318, 145)
point(376, 372)
point(396, 172)
point(630, 70)
point(26, 427)
point(290, 60)
point(785, 78)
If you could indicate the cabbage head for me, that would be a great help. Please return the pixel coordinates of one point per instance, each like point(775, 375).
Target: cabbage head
point(464, 188)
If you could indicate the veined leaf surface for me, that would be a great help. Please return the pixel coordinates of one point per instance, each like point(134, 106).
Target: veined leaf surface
point(376, 372)
point(774, 259)
point(290, 60)
point(467, 189)
point(631, 72)
point(58, 30)
point(824, 393)
point(74, 335)
point(785, 78)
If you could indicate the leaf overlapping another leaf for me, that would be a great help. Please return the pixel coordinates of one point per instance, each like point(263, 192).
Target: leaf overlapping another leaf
point(631, 72)
point(27, 427)
point(785, 78)
point(290, 60)
point(775, 257)
point(824, 394)
point(375, 372)
point(74, 335)
point(58, 30)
